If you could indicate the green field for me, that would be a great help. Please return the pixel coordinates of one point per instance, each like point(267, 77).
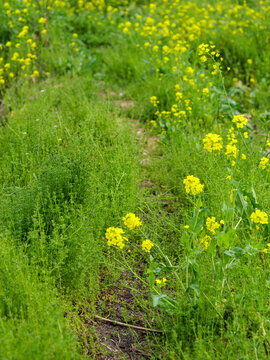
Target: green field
point(135, 193)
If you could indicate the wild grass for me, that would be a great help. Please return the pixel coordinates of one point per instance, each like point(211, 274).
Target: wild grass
point(73, 164)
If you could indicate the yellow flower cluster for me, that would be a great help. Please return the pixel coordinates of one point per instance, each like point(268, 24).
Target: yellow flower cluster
point(131, 221)
point(213, 142)
point(205, 241)
point(231, 149)
point(147, 245)
point(263, 162)
point(154, 101)
point(161, 282)
point(193, 185)
point(212, 225)
point(240, 121)
point(17, 57)
point(259, 217)
point(115, 237)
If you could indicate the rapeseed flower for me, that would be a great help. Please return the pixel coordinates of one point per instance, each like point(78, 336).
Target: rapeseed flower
point(147, 245)
point(240, 120)
point(205, 241)
point(212, 142)
point(231, 150)
point(212, 225)
point(263, 162)
point(131, 221)
point(114, 237)
point(193, 185)
point(259, 217)
point(205, 92)
point(42, 20)
point(161, 282)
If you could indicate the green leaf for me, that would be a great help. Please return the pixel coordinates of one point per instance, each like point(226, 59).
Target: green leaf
point(232, 265)
point(160, 300)
point(251, 250)
point(235, 252)
point(195, 288)
point(240, 203)
point(253, 199)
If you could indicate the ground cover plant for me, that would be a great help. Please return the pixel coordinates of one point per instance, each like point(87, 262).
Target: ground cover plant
point(135, 179)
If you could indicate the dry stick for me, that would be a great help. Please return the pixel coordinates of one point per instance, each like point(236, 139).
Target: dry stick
point(126, 325)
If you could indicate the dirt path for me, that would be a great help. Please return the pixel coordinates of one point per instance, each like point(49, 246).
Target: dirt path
point(120, 303)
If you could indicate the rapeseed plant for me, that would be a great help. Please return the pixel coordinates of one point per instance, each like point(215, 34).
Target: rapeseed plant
point(147, 245)
point(187, 59)
point(213, 142)
point(263, 163)
point(212, 225)
point(193, 185)
point(114, 237)
point(132, 221)
point(259, 217)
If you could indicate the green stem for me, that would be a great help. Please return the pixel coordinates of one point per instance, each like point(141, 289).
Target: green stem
point(170, 264)
point(144, 282)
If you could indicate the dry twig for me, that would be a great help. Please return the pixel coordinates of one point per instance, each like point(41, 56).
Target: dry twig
point(114, 322)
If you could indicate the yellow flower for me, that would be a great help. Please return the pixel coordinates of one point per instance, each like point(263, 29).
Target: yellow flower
point(132, 221)
point(205, 241)
point(186, 227)
point(229, 177)
point(193, 185)
point(114, 237)
point(42, 20)
point(161, 282)
point(212, 142)
point(263, 162)
point(231, 150)
point(205, 92)
point(212, 225)
point(178, 95)
point(154, 101)
point(203, 58)
point(35, 74)
point(243, 156)
point(259, 217)
point(240, 120)
point(147, 245)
